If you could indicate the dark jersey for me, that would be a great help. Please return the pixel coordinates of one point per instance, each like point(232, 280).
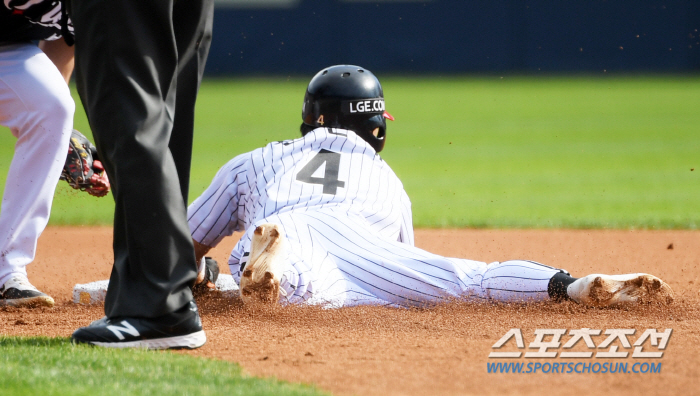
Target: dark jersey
point(23, 20)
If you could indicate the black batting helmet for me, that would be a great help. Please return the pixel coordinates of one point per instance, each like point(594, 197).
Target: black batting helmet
point(347, 97)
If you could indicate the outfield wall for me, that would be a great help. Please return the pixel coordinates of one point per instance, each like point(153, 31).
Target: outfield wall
point(298, 37)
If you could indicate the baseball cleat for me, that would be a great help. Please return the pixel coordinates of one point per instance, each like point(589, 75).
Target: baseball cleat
point(179, 330)
point(260, 281)
point(599, 290)
point(18, 292)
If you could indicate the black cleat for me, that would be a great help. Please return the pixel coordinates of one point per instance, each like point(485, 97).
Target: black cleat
point(18, 292)
point(180, 329)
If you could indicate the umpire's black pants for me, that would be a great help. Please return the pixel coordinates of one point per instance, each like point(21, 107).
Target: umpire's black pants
point(139, 64)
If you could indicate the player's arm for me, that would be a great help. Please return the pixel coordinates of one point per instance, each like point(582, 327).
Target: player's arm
point(61, 54)
point(200, 250)
point(214, 215)
point(207, 268)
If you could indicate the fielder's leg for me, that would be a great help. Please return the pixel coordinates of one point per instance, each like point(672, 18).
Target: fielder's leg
point(35, 103)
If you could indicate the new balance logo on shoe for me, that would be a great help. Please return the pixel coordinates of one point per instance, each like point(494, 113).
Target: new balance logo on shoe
point(176, 330)
point(126, 328)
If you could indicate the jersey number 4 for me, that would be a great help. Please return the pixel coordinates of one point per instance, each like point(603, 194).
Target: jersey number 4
point(329, 180)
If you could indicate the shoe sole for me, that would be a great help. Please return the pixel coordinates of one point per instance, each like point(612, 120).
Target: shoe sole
point(29, 302)
point(189, 341)
point(264, 250)
point(611, 290)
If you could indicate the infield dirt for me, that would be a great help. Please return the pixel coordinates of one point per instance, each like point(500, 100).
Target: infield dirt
point(442, 350)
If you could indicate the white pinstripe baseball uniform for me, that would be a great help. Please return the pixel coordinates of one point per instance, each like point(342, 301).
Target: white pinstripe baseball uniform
point(349, 225)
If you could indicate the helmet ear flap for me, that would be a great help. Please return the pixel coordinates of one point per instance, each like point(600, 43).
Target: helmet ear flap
point(366, 132)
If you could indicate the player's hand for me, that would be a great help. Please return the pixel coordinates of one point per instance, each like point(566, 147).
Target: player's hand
point(207, 274)
point(99, 180)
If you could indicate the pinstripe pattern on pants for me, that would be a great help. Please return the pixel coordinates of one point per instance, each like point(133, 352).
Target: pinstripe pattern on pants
point(337, 261)
point(349, 225)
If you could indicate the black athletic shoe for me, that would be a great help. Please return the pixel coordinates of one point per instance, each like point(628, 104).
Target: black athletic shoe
point(18, 292)
point(180, 329)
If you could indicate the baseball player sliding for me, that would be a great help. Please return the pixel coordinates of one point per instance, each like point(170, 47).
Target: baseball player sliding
point(327, 221)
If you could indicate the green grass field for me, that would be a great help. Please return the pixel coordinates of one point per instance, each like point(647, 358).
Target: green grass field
point(577, 152)
point(52, 366)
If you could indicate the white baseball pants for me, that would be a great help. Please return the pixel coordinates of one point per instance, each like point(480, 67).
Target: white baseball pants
point(335, 259)
point(36, 105)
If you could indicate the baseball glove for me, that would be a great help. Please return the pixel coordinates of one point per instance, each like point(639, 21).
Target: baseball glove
point(83, 171)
